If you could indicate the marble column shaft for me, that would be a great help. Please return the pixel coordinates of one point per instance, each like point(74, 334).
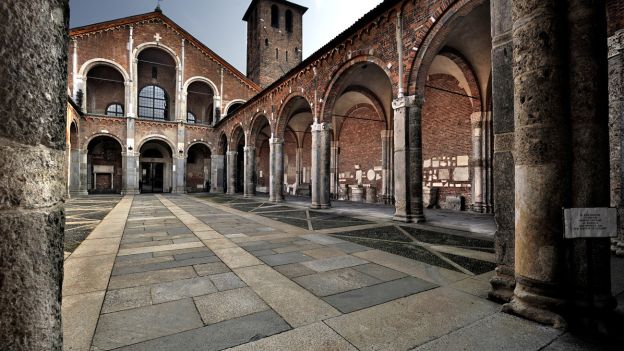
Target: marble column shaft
point(250, 168)
point(218, 173)
point(33, 166)
point(231, 172)
point(321, 157)
point(386, 165)
point(276, 177)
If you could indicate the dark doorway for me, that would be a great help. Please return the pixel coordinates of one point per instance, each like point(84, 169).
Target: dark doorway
point(240, 168)
point(152, 177)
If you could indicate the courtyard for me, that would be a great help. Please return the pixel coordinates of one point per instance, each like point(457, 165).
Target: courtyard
point(212, 272)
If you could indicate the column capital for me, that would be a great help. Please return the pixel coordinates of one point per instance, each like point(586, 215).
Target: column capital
point(232, 153)
point(276, 141)
point(317, 127)
point(408, 101)
point(249, 148)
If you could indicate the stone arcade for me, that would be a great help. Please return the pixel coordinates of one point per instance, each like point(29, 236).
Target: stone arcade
point(504, 104)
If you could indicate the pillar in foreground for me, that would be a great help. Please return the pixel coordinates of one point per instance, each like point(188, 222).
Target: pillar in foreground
point(321, 159)
point(33, 168)
point(249, 188)
point(231, 172)
point(276, 177)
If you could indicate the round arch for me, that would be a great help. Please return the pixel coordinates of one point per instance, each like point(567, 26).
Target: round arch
point(331, 94)
point(87, 66)
point(282, 118)
point(254, 127)
point(156, 137)
point(192, 80)
point(232, 103)
point(198, 143)
point(432, 43)
point(234, 139)
point(154, 45)
point(96, 135)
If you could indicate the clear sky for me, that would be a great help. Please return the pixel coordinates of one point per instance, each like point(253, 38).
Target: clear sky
point(219, 25)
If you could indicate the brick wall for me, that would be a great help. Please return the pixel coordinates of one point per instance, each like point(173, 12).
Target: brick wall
point(263, 152)
point(360, 146)
point(447, 144)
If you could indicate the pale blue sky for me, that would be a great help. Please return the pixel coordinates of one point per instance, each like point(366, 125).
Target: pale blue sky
point(219, 25)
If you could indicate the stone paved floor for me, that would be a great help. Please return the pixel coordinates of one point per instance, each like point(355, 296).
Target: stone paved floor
point(188, 273)
point(82, 215)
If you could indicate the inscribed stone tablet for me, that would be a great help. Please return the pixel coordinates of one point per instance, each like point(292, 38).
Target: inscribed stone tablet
point(590, 223)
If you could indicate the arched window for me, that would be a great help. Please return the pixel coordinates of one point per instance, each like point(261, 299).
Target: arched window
point(153, 103)
point(274, 16)
point(190, 118)
point(289, 21)
point(115, 110)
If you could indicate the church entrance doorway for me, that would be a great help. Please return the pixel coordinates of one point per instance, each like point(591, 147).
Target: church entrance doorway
point(152, 177)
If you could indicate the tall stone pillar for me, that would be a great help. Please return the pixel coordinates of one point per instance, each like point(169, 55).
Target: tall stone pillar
point(231, 172)
point(84, 172)
point(478, 186)
point(299, 168)
point(249, 189)
point(179, 171)
point(74, 172)
point(218, 174)
point(321, 156)
point(334, 183)
point(589, 269)
point(130, 161)
point(408, 163)
point(276, 177)
point(541, 184)
point(616, 132)
point(503, 282)
point(32, 164)
point(386, 166)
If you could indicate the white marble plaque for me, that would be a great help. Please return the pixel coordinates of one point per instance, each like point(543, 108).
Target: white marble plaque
point(370, 175)
point(590, 223)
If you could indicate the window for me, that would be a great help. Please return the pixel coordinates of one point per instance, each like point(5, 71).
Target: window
point(190, 118)
point(274, 16)
point(289, 21)
point(266, 42)
point(114, 110)
point(153, 103)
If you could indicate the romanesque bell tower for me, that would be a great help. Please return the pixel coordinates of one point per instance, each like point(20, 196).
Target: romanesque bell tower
point(274, 39)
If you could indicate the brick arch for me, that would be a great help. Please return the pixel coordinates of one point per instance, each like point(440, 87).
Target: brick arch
point(433, 41)
point(284, 115)
point(470, 75)
point(254, 127)
point(221, 148)
point(335, 85)
point(87, 66)
point(154, 45)
point(86, 143)
point(198, 143)
point(235, 135)
point(157, 137)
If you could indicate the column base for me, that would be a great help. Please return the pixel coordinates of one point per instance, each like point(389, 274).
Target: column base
point(537, 301)
point(409, 218)
point(130, 192)
point(78, 193)
point(320, 206)
point(248, 196)
point(503, 284)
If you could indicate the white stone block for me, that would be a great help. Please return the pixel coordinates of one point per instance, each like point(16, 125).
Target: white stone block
point(443, 174)
point(462, 160)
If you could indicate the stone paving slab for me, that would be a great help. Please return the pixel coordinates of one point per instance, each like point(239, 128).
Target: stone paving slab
point(180, 289)
point(97, 247)
point(417, 269)
point(227, 281)
point(497, 332)
point(230, 304)
point(129, 327)
point(365, 297)
point(125, 299)
point(294, 270)
point(336, 281)
point(285, 258)
point(86, 274)
point(80, 317)
point(380, 272)
point(162, 248)
point(295, 304)
point(163, 265)
point(152, 277)
point(313, 337)
point(236, 257)
point(211, 268)
point(218, 336)
point(411, 321)
point(328, 264)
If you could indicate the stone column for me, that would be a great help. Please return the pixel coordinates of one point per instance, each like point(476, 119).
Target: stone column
point(386, 169)
point(408, 192)
point(74, 172)
point(218, 176)
point(231, 172)
point(130, 161)
point(334, 184)
point(299, 168)
point(32, 164)
point(589, 269)
point(179, 170)
point(249, 189)
point(276, 177)
point(616, 136)
point(503, 282)
point(84, 172)
point(321, 156)
point(541, 183)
